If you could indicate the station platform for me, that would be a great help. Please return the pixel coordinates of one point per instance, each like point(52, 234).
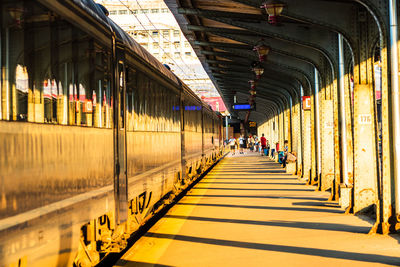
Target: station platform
point(248, 212)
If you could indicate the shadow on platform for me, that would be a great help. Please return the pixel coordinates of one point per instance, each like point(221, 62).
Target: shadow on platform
point(327, 253)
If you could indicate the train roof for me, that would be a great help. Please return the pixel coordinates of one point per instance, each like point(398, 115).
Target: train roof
point(97, 11)
point(129, 42)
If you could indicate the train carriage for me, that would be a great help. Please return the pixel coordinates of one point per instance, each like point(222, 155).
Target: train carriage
point(95, 134)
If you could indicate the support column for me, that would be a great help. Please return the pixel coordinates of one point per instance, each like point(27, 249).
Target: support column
point(281, 129)
point(317, 125)
point(226, 128)
point(327, 146)
point(296, 137)
point(307, 155)
point(313, 164)
point(365, 172)
point(342, 109)
point(300, 143)
point(395, 102)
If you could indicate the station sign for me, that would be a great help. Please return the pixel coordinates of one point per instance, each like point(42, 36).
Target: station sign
point(243, 106)
point(252, 124)
point(306, 102)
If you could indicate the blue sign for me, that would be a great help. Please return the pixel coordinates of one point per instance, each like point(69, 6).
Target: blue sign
point(242, 107)
point(192, 108)
point(188, 108)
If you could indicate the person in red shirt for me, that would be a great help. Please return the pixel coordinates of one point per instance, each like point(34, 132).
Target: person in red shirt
point(263, 144)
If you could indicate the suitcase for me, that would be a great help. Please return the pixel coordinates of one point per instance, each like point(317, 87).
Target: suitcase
point(281, 156)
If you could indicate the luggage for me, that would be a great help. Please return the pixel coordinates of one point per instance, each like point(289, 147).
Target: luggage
point(266, 151)
point(281, 157)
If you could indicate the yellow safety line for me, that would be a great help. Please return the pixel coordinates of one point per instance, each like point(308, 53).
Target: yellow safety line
point(151, 252)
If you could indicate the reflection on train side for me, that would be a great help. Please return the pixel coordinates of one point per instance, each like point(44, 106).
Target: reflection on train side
point(187, 108)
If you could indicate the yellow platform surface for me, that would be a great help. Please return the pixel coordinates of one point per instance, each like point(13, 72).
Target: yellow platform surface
point(248, 212)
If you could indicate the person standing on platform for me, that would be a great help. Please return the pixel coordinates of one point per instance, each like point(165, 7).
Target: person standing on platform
point(232, 144)
point(250, 141)
point(256, 143)
point(285, 153)
point(263, 144)
point(267, 149)
point(241, 144)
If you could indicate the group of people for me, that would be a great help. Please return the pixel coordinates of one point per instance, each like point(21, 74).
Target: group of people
point(260, 145)
point(251, 142)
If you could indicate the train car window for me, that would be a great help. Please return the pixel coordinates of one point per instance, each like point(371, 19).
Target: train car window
point(48, 76)
point(108, 107)
point(167, 103)
point(146, 105)
point(153, 120)
point(16, 66)
point(84, 103)
point(42, 57)
point(139, 103)
point(64, 73)
point(101, 94)
point(121, 92)
point(22, 88)
point(156, 122)
point(130, 91)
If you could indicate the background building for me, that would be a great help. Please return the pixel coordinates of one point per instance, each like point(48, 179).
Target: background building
point(153, 26)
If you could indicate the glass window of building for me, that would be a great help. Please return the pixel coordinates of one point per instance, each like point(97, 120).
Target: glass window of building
point(166, 45)
point(177, 54)
point(177, 44)
point(123, 12)
point(164, 10)
point(134, 11)
point(155, 10)
point(155, 33)
point(176, 33)
point(113, 12)
point(144, 11)
point(155, 45)
point(187, 44)
point(166, 33)
point(188, 54)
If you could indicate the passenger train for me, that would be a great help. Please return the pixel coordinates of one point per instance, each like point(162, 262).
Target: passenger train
point(95, 134)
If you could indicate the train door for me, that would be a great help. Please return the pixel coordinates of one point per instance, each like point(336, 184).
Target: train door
point(120, 173)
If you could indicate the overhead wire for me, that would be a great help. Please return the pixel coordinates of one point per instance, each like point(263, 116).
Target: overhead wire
point(162, 35)
point(165, 53)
